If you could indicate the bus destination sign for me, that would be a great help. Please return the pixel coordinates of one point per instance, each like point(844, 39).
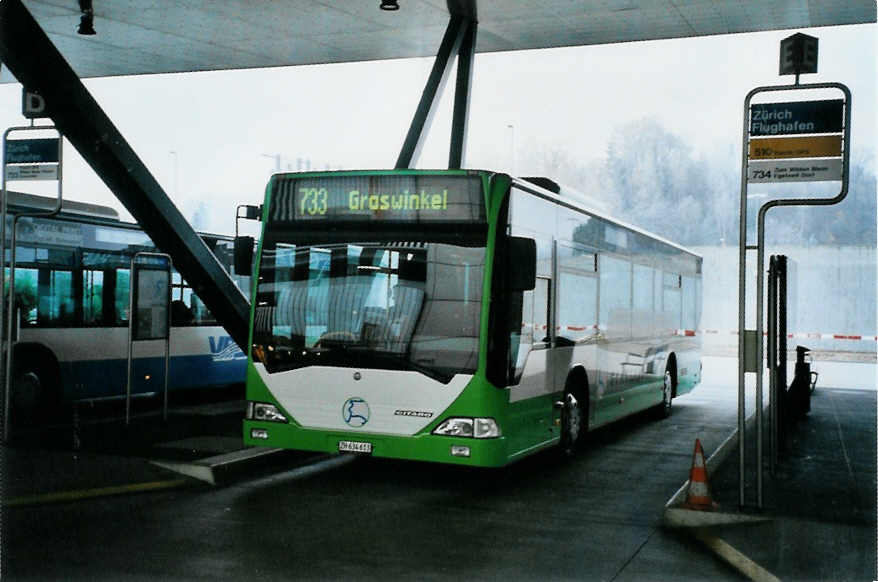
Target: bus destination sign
point(393, 197)
point(797, 117)
point(31, 151)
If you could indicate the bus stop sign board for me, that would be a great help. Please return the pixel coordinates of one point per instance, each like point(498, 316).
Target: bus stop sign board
point(785, 132)
point(797, 117)
point(29, 151)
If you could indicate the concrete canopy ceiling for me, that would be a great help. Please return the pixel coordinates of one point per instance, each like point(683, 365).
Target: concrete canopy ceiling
point(161, 36)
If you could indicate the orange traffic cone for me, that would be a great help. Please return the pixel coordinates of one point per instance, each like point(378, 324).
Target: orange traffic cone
point(698, 496)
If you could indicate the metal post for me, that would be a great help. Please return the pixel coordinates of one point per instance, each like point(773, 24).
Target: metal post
point(167, 345)
point(773, 334)
point(742, 303)
point(781, 348)
point(760, 277)
point(131, 310)
point(760, 248)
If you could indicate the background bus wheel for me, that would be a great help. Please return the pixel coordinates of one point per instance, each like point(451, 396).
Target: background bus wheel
point(572, 424)
point(27, 388)
point(34, 400)
point(663, 410)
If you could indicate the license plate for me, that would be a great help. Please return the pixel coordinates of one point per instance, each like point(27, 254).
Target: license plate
point(354, 447)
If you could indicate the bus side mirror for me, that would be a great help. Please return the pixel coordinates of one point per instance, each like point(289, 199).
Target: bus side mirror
point(244, 255)
point(521, 270)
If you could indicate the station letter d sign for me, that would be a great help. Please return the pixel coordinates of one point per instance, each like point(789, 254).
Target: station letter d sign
point(33, 105)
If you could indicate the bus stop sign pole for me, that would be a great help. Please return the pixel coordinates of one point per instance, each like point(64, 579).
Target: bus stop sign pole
point(23, 159)
point(774, 133)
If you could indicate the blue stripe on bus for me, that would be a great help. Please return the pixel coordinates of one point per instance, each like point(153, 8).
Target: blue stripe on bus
point(103, 378)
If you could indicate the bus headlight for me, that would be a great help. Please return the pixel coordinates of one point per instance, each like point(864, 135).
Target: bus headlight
point(480, 428)
point(486, 428)
point(263, 411)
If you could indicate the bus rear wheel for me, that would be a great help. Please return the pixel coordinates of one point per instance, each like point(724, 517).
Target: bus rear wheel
point(572, 422)
point(663, 409)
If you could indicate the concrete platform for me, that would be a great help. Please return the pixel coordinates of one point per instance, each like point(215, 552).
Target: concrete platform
point(818, 520)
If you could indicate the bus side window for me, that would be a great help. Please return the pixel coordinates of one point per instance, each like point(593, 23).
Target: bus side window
point(541, 307)
point(92, 297)
point(25, 294)
point(201, 315)
point(121, 298)
point(55, 303)
point(180, 313)
point(614, 317)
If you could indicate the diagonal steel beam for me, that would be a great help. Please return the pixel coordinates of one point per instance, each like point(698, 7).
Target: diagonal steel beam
point(460, 120)
point(38, 65)
point(423, 117)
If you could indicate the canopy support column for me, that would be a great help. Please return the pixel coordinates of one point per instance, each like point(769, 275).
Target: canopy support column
point(460, 121)
point(459, 41)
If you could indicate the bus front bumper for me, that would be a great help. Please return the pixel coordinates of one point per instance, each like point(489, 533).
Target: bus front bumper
point(490, 452)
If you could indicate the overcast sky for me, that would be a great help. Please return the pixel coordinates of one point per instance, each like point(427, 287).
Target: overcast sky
point(212, 137)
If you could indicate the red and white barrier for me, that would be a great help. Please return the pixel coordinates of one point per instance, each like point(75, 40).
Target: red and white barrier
point(802, 335)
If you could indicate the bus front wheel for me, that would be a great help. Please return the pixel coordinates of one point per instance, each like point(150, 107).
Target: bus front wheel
point(26, 390)
point(33, 398)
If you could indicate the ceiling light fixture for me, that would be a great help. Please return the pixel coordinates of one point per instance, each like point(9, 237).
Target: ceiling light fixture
point(87, 20)
point(389, 5)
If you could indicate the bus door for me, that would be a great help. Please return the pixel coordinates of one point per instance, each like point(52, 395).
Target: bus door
point(530, 396)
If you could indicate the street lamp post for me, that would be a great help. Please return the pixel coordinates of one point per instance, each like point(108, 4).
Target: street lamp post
point(276, 158)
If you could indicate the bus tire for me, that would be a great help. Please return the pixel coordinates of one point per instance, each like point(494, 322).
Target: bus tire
point(574, 418)
point(663, 408)
point(27, 388)
point(34, 397)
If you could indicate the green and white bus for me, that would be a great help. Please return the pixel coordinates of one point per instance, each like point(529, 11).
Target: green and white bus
point(458, 316)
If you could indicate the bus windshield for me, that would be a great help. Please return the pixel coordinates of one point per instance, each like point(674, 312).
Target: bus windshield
point(402, 305)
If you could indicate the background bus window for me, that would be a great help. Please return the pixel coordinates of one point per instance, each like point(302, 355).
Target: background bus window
point(25, 293)
point(541, 310)
point(121, 298)
point(55, 301)
point(577, 290)
point(186, 307)
point(642, 323)
point(577, 305)
point(658, 292)
point(92, 297)
point(672, 302)
point(615, 299)
point(689, 307)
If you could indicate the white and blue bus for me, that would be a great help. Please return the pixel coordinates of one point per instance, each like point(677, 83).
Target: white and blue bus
point(459, 316)
point(72, 301)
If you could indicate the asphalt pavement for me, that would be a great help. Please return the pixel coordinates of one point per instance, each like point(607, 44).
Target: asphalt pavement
point(818, 520)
